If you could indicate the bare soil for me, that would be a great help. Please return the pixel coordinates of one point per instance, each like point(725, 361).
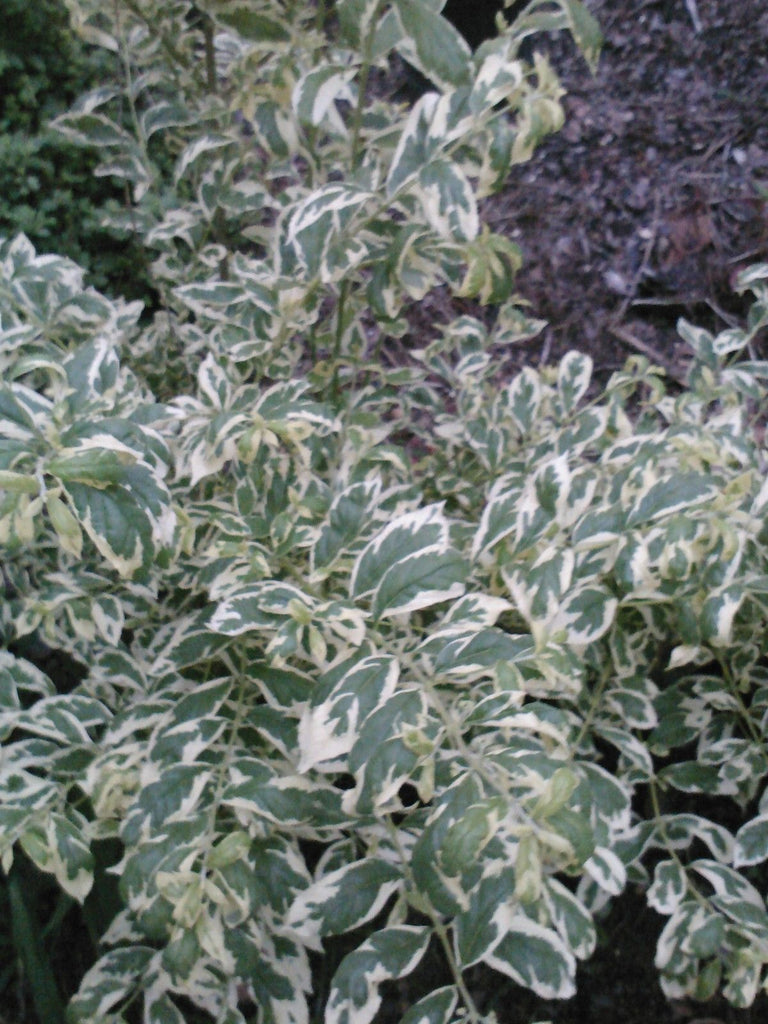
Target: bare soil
point(654, 195)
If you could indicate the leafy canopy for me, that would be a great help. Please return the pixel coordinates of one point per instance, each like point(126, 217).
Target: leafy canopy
point(370, 641)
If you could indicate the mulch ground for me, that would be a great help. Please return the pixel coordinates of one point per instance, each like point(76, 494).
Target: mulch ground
point(654, 195)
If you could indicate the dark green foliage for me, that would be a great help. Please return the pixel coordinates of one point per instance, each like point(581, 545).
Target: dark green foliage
point(43, 67)
point(47, 186)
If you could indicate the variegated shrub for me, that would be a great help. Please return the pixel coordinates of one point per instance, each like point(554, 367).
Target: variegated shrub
point(371, 644)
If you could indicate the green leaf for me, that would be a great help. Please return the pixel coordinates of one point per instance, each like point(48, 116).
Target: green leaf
point(343, 899)
point(423, 579)
point(423, 530)
point(435, 1008)
point(252, 25)
point(669, 888)
point(535, 957)
point(585, 29)
point(671, 495)
point(433, 45)
point(340, 704)
point(752, 842)
point(387, 954)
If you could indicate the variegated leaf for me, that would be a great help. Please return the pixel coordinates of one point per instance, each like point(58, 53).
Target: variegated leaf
point(535, 957)
point(432, 44)
point(343, 899)
point(671, 495)
point(316, 95)
point(420, 580)
point(114, 976)
point(340, 704)
point(389, 748)
point(573, 377)
point(570, 918)
point(752, 842)
point(387, 954)
point(423, 530)
point(448, 201)
point(669, 888)
point(435, 1008)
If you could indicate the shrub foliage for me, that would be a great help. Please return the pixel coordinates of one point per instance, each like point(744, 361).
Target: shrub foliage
point(371, 643)
point(47, 186)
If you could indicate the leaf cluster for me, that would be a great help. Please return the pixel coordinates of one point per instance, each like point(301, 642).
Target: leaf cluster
point(370, 643)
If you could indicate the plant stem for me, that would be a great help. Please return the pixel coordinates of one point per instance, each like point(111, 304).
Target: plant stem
point(29, 949)
point(210, 55)
point(362, 87)
point(440, 930)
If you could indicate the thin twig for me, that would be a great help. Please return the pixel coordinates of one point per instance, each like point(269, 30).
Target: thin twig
point(648, 350)
point(690, 6)
point(644, 263)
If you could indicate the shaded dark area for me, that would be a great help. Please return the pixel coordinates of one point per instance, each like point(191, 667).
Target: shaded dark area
point(476, 19)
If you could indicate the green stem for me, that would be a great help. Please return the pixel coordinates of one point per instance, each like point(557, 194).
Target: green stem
point(337, 339)
point(597, 696)
point(137, 130)
point(423, 905)
point(321, 16)
point(755, 734)
point(671, 851)
point(29, 949)
point(177, 56)
point(362, 87)
point(210, 55)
